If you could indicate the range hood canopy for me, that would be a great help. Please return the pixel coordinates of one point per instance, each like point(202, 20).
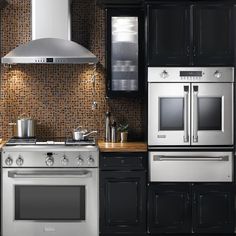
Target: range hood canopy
point(50, 51)
point(51, 33)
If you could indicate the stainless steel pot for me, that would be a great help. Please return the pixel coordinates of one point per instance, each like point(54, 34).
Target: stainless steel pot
point(80, 134)
point(25, 127)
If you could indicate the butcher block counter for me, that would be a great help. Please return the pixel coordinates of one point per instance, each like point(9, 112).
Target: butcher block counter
point(122, 147)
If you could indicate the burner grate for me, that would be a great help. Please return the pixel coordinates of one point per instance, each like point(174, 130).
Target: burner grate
point(21, 141)
point(71, 142)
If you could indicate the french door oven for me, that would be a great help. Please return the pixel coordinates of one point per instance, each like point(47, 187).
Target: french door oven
point(191, 112)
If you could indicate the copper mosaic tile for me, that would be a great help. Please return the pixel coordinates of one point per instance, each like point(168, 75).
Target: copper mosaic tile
point(59, 97)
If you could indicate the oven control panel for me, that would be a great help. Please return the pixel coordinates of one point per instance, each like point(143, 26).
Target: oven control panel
point(88, 158)
point(191, 74)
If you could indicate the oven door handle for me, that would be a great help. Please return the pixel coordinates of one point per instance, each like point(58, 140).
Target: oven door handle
point(186, 95)
point(196, 158)
point(195, 114)
point(49, 174)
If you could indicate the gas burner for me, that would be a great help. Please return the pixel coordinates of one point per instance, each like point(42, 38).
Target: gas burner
point(88, 141)
point(50, 142)
point(21, 141)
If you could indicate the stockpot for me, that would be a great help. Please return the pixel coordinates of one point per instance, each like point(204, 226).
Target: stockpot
point(25, 127)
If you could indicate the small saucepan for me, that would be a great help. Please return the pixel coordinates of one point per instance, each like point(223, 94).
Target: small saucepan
point(80, 134)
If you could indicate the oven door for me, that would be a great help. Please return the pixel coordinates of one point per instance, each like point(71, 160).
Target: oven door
point(212, 114)
point(168, 113)
point(50, 202)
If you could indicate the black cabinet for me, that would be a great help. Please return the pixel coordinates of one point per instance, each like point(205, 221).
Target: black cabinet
point(186, 208)
point(213, 208)
point(169, 208)
point(124, 51)
point(168, 34)
point(182, 34)
point(213, 34)
point(122, 194)
point(3, 3)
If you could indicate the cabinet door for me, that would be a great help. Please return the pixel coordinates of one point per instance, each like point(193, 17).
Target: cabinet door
point(122, 201)
point(168, 34)
point(169, 208)
point(213, 34)
point(213, 208)
point(124, 51)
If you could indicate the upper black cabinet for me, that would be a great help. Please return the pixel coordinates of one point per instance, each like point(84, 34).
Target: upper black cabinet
point(124, 44)
point(190, 34)
point(213, 34)
point(168, 34)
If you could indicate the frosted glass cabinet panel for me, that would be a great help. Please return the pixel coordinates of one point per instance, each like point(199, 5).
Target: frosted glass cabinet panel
point(123, 51)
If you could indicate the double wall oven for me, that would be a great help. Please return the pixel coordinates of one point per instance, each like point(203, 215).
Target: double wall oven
point(190, 111)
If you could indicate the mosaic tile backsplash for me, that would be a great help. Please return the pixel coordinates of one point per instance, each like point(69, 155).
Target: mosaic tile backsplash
point(60, 97)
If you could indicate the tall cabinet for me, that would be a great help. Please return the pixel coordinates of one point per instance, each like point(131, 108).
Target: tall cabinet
point(124, 49)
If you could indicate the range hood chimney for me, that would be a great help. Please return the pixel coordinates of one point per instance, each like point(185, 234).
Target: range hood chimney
point(51, 38)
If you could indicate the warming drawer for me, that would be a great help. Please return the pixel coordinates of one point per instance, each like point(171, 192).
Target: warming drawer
point(191, 166)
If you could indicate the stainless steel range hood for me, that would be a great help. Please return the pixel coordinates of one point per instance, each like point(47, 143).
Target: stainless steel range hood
point(51, 38)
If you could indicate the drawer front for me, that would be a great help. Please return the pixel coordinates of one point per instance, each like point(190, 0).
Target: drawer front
point(123, 161)
point(191, 166)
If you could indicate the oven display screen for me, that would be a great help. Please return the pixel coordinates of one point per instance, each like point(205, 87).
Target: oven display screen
point(56, 203)
point(190, 73)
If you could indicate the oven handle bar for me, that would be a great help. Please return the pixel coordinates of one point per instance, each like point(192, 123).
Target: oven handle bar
point(195, 114)
point(186, 94)
point(49, 174)
point(196, 158)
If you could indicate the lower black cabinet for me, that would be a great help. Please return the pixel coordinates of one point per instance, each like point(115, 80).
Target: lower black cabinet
point(122, 195)
point(191, 208)
point(213, 208)
point(169, 208)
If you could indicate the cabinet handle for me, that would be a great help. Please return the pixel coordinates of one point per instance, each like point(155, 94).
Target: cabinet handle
point(194, 51)
point(188, 50)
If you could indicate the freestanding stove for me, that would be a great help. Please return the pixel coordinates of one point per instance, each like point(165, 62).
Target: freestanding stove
point(50, 187)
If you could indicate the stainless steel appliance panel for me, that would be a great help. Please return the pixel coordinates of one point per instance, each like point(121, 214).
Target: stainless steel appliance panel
point(212, 114)
point(191, 166)
point(200, 98)
point(54, 177)
point(197, 74)
point(168, 114)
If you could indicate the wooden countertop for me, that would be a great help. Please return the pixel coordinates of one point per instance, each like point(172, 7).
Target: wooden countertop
point(2, 143)
point(122, 147)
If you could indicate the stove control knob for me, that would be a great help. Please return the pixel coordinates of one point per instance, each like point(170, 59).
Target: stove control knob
point(49, 161)
point(19, 161)
point(217, 74)
point(80, 161)
point(9, 161)
point(91, 160)
point(64, 161)
point(164, 74)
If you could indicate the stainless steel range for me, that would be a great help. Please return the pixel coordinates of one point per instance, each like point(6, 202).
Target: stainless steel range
point(50, 188)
